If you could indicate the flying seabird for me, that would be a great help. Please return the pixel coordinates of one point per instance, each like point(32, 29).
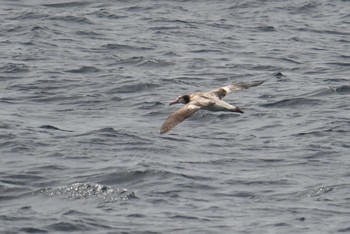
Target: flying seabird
point(211, 101)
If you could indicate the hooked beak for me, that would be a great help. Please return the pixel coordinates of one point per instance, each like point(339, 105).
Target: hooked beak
point(173, 102)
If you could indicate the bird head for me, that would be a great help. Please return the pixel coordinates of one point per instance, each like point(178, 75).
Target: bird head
point(181, 99)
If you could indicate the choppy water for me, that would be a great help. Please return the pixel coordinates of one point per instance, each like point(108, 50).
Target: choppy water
point(85, 87)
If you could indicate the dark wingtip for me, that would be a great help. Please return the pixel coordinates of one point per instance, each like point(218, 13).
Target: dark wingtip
point(237, 109)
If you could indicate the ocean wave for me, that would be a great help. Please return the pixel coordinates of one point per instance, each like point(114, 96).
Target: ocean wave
point(133, 88)
point(14, 68)
point(343, 90)
point(133, 177)
point(51, 127)
point(67, 4)
point(293, 102)
point(117, 137)
point(84, 69)
point(87, 190)
point(71, 19)
point(115, 46)
point(143, 61)
point(319, 191)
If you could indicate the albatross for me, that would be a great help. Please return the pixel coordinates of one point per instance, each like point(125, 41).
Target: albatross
point(211, 101)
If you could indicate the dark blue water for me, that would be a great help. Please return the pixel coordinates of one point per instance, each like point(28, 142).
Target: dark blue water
point(85, 87)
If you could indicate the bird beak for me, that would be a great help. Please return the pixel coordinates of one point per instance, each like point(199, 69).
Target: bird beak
point(173, 102)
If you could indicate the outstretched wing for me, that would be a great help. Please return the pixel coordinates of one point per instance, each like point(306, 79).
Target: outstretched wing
point(178, 116)
point(223, 91)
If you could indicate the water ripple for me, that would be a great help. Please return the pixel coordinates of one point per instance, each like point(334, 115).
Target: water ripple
point(79, 191)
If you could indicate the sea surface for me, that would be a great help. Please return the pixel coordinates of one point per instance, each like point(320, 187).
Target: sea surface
point(85, 87)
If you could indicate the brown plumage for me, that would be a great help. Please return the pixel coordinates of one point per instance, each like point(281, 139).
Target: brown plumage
point(209, 101)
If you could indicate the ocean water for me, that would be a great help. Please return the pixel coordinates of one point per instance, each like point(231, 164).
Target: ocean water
point(85, 87)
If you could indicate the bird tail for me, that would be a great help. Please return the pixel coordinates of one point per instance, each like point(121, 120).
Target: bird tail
point(237, 109)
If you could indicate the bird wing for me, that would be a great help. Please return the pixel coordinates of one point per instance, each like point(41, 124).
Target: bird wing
point(178, 116)
point(223, 91)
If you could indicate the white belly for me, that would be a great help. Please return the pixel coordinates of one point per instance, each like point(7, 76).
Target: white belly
point(221, 106)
